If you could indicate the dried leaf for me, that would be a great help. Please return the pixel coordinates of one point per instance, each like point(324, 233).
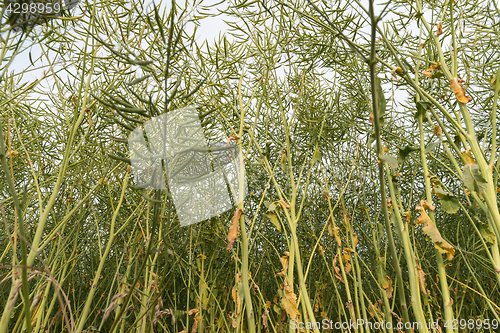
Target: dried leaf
point(384, 280)
point(437, 130)
point(431, 230)
point(193, 311)
point(194, 328)
point(427, 73)
point(458, 89)
point(234, 138)
point(289, 301)
point(337, 270)
point(426, 205)
point(236, 298)
point(330, 228)
point(346, 258)
point(264, 319)
point(468, 156)
point(317, 304)
point(233, 317)
point(433, 71)
point(388, 289)
point(234, 229)
point(436, 66)
point(11, 153)
point(439, 29)
point(284, 261)
point(321, 250)
point(337, 236)
point(327, 196)
point(373, 309)
point(284, 204)
point(347, 268)
point(407, 216)
point(421, 279)
point(370, 118)
point(355, 240)
point(389, 203)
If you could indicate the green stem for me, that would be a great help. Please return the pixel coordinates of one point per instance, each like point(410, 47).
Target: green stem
point(24, 240)
point(383, 195)
point(410, 259)
point(244, 237)
point(445, 291)
point(97, 275)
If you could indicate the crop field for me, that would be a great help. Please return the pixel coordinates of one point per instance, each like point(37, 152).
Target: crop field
point(249, 166)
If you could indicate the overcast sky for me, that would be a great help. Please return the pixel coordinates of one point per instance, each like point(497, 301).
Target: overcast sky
point(210, 29)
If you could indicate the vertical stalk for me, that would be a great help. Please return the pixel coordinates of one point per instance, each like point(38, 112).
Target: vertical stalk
point(410, 260)
point(302, 285)
point(344, 275)
point(292, 221)
point(111, 239)
point(383, 293)
point(244, 237)
point(20, 220)
point(189, 276)
point(445, 291)
point(372, 61)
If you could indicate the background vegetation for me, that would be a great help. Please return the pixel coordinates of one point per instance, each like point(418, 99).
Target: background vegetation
point(370, 144)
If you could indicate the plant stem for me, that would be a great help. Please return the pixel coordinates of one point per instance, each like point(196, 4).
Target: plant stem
point(390, 238)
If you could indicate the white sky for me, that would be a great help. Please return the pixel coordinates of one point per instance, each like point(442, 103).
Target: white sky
point(210, 29)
